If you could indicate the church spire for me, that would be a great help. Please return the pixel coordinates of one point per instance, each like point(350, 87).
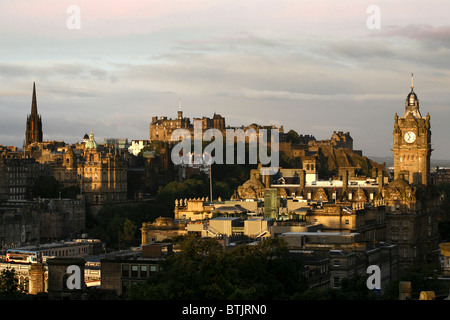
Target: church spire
point(412, 81)
point(33, 131)
point(34, 101)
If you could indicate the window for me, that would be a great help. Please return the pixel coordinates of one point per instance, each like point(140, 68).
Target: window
point(394, 235)
point(336, 263)
point(347, 222)
point(153, 268)
point(125, 270)
point(336, 282)
point(144, 271)
point(134, 271)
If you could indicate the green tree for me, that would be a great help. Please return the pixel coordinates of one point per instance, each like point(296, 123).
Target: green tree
point(422, 278)
point(204, 270)
point(117, 224)
point(9, 285)
point(222, 189)
point(292, 136)
point(129, 229)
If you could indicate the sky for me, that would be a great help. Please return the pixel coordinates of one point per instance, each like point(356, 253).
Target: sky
point(314, 66)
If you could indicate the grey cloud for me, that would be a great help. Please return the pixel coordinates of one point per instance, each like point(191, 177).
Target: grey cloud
point(440, 35)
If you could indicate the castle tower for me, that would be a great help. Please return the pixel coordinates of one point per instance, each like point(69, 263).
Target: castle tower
point(34, 124)
point(412, 143)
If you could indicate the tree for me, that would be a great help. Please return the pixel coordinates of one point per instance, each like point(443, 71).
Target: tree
point(222, 189)
point(292, 136)
point(422, 278)
point(9, 285)
point(204, 270)
point(129, 229)
point(116, 223)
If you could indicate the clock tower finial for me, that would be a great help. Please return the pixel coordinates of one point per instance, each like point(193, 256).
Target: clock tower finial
point(412, 81)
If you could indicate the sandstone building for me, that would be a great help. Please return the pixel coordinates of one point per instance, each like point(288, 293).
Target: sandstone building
point(162, 129)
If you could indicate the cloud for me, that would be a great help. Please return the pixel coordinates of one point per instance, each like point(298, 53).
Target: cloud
point(308, 65)
point(420, 32)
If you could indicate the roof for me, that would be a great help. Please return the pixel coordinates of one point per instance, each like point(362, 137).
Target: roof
point(234, 209)
point(226, 218)
point(91, 144)
point(324, 234)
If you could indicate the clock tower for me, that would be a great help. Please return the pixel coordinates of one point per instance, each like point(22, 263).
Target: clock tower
point(412, 143)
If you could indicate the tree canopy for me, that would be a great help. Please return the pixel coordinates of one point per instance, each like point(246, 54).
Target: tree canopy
point(204, 270)
point(10, 289)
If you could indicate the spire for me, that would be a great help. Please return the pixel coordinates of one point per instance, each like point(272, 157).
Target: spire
point(33, 131)
point(412, 102)
point(34, 101)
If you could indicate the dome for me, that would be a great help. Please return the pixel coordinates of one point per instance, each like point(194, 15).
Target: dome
point(411, 99)
point(398, 184)
point(91, 144)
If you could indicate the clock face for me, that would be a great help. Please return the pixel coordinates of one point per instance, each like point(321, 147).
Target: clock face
point(409, 137)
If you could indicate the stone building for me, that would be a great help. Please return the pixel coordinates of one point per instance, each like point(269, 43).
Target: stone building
point(118, 274)
point(348, 254)
point(161, 129)
point(412, 203)
point(441, 175)
point(193, 209)
point(19, 224)
point(62, 218)
point(18, 175)
point(403, 211)
point(100, 174)
point(103, 175)
point(338, 139)
point(162, 229)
